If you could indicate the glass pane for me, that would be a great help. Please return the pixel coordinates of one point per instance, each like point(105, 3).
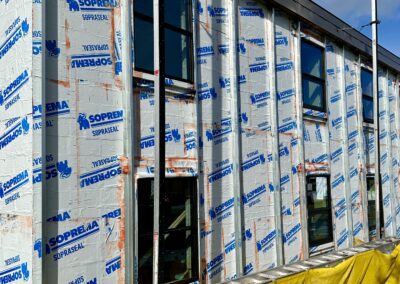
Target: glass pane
point(176, 13)
point(371, 195)
point(177, 55)
point(176, 207)
point(366, 82)
point(145, 229)
point(311, 59)
point(317, 193)
point(319, 228)
point(144, 57)
point(144, 7)
point(313, 94)
point(368, 109)
point(176, 256)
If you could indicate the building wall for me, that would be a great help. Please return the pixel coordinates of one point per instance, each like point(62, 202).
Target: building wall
point(242, 130)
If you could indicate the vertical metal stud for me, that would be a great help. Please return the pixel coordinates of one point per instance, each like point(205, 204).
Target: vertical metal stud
point(345, 152)
point(236, 134)
point(129, 142)
point(159, 128)
point(378, 187)
point(275, 144)
point(302, 173)
point(389, 146)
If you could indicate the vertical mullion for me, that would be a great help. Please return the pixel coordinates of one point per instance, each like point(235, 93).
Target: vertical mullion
point(159, 112)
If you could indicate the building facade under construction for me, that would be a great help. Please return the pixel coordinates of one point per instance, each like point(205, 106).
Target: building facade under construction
point(269, 139)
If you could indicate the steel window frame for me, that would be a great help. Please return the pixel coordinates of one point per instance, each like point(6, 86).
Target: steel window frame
point(187, 33)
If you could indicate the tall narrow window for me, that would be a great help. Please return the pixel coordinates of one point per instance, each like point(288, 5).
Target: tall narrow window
point(178, 38)
point(319, 211)
point(178, 231)
point(313, 76)
point(367, 96)
point(371, 195)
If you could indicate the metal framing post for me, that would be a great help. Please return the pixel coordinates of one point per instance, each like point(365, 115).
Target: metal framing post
point(275, 145)
point(159, 120)
point(347, 185)
point(301, 154)
point(374, 25)
point(236, 133)
point(44, 143)
point(390, 157)
point(129, 141)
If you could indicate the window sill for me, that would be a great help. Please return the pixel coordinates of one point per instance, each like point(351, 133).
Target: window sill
point(314, 115)
point(323, 248)
point(169, 83)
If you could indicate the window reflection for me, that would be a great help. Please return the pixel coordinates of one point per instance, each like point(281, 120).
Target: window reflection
point(178, 231)
point(313, 78)
point(319, 210)
point(367, 95)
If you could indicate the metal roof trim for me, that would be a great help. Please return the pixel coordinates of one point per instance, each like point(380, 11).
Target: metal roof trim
point(314, 14)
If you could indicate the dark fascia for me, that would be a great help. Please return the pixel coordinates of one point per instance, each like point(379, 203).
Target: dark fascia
point(314, 14)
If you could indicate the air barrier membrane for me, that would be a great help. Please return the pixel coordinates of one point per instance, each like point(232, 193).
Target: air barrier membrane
point(63, 142)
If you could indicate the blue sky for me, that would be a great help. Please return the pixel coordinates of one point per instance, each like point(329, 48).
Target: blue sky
point(358, 13)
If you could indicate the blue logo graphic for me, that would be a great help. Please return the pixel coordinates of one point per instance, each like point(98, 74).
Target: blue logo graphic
point(19, 32)
point(289, 236)
point(170, 136)
point(64, 170)
point(101, 121)
point(247, 198)
point(53, 170)
point(219, 130)
point(14, 133)
point(91, 60)
point(243, 117)
point(13, 88)
point(13, 274)
point(217, 11)
point(266, 242)
point(113, 265)
point(207, 94)
point(230, 246)
point(281, 41)
point(38, 247)
point(251, 12)
point(258, 160)
point(258, 98)
point(91, 5)
point(52, 49)
point(247, 235)
point(100, 175)
point(214, 266)
point(73, 5)
point(221, 209)
point(258, 67)
point(14, 183)
point(256, 41)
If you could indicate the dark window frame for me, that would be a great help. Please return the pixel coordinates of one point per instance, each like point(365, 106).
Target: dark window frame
point(321, 81)
point(366, 97)
point(188, 33)
point(328, 209)
point(193, 228)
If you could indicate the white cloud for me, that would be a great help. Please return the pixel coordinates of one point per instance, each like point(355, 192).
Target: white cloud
point(352, 10)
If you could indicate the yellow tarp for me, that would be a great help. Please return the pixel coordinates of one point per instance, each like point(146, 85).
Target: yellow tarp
point(368, 267)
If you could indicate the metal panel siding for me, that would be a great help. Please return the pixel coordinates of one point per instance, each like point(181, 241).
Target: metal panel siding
point(77, 132)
